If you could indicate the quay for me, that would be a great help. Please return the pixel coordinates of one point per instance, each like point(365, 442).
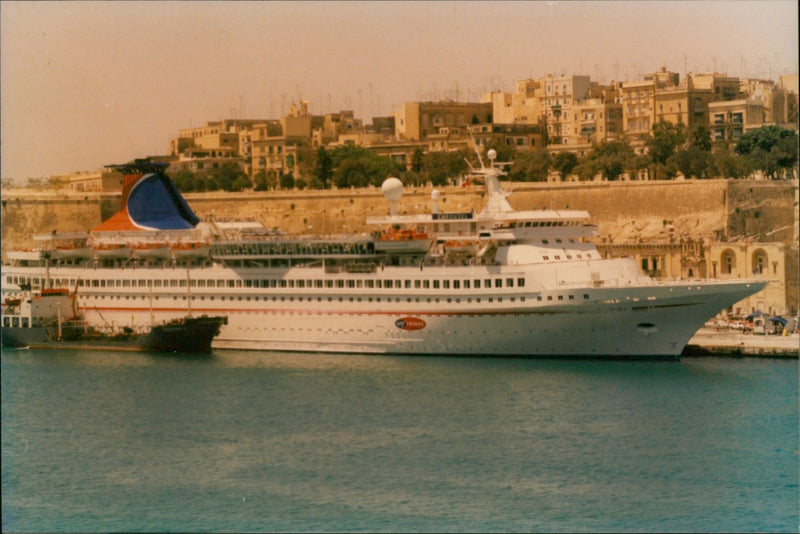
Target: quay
point(709, 342)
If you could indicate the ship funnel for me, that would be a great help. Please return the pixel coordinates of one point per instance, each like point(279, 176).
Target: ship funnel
point(392, 190)
point(150, 201)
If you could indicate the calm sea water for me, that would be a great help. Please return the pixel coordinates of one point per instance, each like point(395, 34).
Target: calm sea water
point(244, 441)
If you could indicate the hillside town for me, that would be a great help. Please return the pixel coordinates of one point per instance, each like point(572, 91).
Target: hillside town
point(565, 127)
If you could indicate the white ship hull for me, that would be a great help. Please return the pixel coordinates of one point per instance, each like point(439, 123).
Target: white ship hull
point(653, 320)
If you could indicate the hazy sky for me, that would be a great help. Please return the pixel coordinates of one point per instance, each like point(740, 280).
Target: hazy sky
point(85, 84)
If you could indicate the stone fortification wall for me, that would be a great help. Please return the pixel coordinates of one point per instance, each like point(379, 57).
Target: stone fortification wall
point(24, 213)
point(629, 212)
point(762, 211)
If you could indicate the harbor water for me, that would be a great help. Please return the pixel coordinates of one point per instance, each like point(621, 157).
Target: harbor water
point(249, 441)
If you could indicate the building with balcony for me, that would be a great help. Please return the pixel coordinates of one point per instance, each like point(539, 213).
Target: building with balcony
point(728, 120)
point(560, 95)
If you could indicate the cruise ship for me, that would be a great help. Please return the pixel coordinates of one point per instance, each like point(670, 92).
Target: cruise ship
point(499, 282)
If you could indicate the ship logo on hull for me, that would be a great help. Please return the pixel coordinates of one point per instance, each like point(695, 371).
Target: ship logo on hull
point(410, 323)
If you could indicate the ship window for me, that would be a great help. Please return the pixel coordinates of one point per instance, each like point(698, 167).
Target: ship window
point(585, 296)
point(558, 241)
point(407, 284)
point(238, 283)
point(466, 284)
point(417, 284)
point(201, 283)
point(520, 282)
point(183, 283)
point(351, 284)
point(550, 298)
point(572, 297)
point(7, 320)
point(435, 284)
point(340, 283)
point(498, 282)
point(477, 284)
point(328, 283)
point(558, 257)
point(487, 283)
point(426, 284)
point(546, 258)
point(561, 297)
point(143, 283)
point(569, 256)
point(509, 282)
point(445, 284)
point(397, 284)
point(248, 283)
point(301, 283)
point(318, 283)
point(456, 284)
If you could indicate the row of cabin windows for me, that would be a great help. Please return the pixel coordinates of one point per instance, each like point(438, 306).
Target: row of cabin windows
point(476, 283)
point(549, 298)
point(248, 298)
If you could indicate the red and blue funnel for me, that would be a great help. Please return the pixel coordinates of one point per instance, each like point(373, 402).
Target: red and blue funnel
point(150, 201)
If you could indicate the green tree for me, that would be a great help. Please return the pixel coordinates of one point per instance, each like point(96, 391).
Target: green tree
point(694, 162)
point(230, 177)
point(287, 181)
point(609, 158)
point(260, 181)
point(662, 144)
point(565, 163)
point(440, 167)
point(728, 163)
point(701, 138)
point(770, 149)
point(418, 160)
point(531, 166)
point(184, 180)
point(323, 167)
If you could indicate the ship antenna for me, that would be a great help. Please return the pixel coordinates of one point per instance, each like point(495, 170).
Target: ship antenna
point(475, 146)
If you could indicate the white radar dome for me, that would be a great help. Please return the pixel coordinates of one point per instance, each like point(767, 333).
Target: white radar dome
point(392, 189)
point(492, 154)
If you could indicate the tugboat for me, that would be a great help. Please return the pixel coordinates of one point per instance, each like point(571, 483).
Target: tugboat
point(48, 319)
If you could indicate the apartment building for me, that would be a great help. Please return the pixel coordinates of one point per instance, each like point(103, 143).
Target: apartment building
point(560, 95)
point(415, 121)
point(214, 135)
point(728, 120)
